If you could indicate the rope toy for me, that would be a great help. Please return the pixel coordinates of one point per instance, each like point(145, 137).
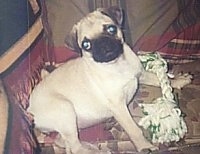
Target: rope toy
point(163, 119)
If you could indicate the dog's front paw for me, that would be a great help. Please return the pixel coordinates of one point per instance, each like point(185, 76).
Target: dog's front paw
point(181, 80)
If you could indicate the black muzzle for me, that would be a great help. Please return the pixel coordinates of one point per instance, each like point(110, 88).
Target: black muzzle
point(106, 49)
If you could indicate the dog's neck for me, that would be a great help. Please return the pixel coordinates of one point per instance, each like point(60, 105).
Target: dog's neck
point(122, 65)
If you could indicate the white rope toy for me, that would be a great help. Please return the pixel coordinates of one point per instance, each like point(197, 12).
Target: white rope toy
point(163, 119)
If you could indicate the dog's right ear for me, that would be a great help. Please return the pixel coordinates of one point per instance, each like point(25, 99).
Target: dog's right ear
point(71, 41)
point(115, 13)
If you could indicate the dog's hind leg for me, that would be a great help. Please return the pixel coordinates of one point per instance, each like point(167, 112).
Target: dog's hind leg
point(63, 120)
point(66, 125)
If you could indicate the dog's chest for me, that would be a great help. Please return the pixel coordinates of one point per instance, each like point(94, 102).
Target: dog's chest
point(114, 75)
point(115, 80)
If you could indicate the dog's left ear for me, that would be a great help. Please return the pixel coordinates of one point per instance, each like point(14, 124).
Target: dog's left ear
point(115, 13)
point(71, 41)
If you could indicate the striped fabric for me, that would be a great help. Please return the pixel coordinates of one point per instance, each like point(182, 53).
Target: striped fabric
point(177, 40)
point(189, 14)
point(186, 45)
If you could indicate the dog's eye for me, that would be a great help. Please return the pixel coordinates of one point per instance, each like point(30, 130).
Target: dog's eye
point(86, 44)
point(112, 29)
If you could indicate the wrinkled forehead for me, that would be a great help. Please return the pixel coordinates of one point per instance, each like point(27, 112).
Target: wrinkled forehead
point(92, 25)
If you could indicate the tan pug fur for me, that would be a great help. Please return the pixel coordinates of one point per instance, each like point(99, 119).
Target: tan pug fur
point(83, 92)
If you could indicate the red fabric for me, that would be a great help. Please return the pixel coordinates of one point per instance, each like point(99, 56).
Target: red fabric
point(153, 42)
point(95, 133)
point(19, 82)
point(63, 54)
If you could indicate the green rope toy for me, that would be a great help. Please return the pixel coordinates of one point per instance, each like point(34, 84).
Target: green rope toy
point(163, 118)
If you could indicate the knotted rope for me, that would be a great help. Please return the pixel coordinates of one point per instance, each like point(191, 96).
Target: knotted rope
point(163, 118)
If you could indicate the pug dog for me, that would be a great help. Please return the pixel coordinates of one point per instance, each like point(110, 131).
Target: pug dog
point(93, 87)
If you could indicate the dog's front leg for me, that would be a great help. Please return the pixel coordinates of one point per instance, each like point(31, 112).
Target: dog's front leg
point(122, 115)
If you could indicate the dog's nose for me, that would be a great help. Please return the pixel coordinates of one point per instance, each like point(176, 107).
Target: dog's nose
point(106, 48)
point(105, 42)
